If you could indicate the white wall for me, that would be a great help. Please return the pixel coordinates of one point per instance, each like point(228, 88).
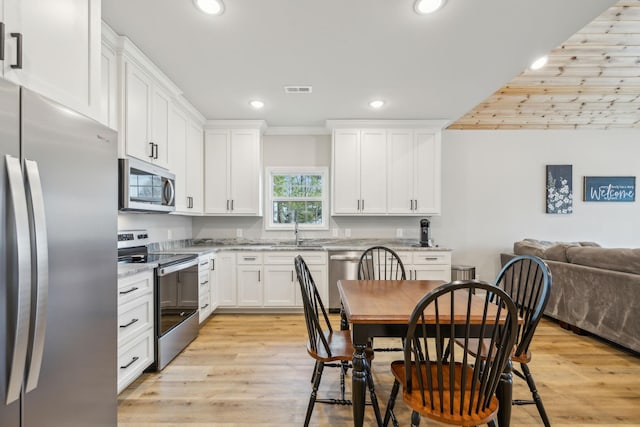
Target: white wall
point(161, 227)
point(494, 191)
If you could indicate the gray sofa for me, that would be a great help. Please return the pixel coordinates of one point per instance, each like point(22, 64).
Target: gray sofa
point(593, 289)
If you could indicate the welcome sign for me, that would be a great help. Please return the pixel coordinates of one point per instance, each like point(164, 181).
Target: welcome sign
point(609, 188)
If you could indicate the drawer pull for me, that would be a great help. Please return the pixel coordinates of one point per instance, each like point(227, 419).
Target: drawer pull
point(130, 323)
point(135, 358)
point(432, 258)
point(249, 258)
point(204, 283)
point(204, 263)
point(204, 306)
point(135, 288)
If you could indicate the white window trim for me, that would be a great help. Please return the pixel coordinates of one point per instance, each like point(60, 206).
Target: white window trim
point(270, 171)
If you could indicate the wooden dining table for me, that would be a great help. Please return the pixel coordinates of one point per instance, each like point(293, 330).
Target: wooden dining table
point(381, 308)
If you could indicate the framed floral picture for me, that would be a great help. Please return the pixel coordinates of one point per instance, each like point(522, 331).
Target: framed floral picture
point(559, 189)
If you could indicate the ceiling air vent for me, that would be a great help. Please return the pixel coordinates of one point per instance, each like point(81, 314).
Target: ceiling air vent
point(297, 89)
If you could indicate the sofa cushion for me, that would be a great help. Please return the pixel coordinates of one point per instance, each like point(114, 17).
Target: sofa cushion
point(529, 247)
point(558, 252)
point(617, 259)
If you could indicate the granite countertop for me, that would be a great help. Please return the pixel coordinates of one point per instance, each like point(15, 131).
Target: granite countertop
point(204, 246)
point(125, 270)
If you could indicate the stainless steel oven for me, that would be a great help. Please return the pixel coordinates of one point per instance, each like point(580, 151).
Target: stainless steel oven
point(176, 306)
point(144, 187)
point(176, 287)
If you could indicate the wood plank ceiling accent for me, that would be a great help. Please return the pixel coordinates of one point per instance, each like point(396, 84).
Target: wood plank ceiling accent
point(592, 81)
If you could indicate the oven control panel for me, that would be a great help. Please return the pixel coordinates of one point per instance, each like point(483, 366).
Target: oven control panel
point(131, 238)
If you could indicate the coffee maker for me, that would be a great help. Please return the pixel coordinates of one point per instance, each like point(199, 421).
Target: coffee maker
point(425, 233)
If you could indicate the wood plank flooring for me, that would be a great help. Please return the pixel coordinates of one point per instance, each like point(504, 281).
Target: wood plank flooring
point(254, 370)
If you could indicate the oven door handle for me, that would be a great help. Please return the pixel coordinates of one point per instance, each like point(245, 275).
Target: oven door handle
point(163, 271)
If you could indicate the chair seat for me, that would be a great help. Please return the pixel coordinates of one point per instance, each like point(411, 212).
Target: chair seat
point(340, 347)
point(414, 398)
point(524, 357)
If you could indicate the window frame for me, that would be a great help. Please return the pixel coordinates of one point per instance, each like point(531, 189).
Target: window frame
point(300, 170)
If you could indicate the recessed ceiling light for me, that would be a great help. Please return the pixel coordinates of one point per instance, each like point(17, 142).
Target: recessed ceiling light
point(424, 7)
point(256, 104)
point(212, 7)
point(539, 63)
point(376, 103)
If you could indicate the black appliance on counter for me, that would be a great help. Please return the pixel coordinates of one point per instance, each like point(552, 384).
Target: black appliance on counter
point(176, 294)
point(425, 233)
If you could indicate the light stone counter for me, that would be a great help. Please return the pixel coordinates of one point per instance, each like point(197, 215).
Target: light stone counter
point(125, 270)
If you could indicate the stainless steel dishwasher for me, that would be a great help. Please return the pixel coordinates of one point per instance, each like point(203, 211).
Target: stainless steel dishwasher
point(342, 265)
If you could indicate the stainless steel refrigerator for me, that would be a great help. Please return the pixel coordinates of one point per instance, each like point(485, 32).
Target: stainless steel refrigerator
point(58, 307)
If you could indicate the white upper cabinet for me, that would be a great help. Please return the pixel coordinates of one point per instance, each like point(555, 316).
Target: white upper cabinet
point(387, 168)
point(414, 172)
point(195, 168)
point(232, 170)
point(146, 117)
point(109, 78)
point(185, 161)
point(359, 172)
point(53, 48)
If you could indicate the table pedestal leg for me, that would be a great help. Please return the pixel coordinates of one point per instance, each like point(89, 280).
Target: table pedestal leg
point(505, 395)
point(358, 385)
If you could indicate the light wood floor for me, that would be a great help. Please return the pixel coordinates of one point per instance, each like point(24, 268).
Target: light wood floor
point(254, 370)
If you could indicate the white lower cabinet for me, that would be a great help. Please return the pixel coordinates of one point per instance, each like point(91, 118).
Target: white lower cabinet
point(226, 278)
point(427, 265)
point(267, 279)
point(249, 275)
point(135, 326)
point(204, 287)
point(214, 289)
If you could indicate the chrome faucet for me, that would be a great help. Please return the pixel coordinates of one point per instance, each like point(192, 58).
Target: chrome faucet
point(295, 229)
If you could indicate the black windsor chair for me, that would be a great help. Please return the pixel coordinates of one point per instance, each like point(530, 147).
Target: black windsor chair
point(327, 346)
point(455, 389)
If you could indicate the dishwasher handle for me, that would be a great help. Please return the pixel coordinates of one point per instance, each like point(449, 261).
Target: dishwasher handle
point(344, 258)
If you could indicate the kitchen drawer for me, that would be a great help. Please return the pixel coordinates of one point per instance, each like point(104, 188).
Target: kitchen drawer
point(427, 257)
point(203, 263)
point(204, 307)
point(131, 287)
point(133, 358)
point(249, 258)
point(310, 257)
point(134, 317)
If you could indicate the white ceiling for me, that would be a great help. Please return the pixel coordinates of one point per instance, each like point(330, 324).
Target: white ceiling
point(350, 51)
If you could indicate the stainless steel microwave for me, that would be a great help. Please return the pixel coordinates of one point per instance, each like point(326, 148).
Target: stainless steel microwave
point(144, 187)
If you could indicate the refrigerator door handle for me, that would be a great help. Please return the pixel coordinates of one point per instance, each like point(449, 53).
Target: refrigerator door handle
point(20, 217)
point(41, 246)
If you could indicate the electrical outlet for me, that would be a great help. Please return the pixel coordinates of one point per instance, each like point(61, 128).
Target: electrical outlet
point(398, 232)
point(169, 234)
point(336, 232)
point(347, 232)
point(238, 232)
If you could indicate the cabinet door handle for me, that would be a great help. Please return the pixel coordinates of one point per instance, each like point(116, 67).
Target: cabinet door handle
point(258, 275)
point(151, 144)
point(358, 204)
point(133, 360)
point(231, 204)
point(135, 288)
point(204, 306)
point(18, 64)
point(130, 323)
point(416, 204)
point(213, 264)
point(1, 41)
point(227, 204)
point(292, 276)
point(363, 204)
point(157, 151)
